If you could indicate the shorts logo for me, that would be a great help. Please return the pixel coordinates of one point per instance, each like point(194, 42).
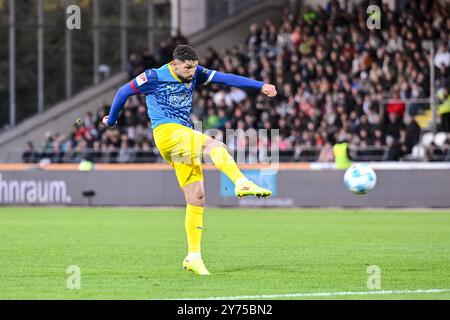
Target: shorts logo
point(141, 79)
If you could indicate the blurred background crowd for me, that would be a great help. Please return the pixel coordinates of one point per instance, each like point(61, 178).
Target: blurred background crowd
point(337, 82)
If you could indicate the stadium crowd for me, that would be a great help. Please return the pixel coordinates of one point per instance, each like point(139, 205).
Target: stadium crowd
point(336, 80)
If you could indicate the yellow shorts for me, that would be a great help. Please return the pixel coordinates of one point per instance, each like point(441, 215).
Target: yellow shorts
point(181, 147)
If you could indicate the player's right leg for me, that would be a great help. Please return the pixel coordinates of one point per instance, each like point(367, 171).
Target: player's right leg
point(190, 177)
point(195, 203)
point(177, 146)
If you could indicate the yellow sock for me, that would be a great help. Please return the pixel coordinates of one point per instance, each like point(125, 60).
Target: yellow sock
point(225, 163)
point(194, 227)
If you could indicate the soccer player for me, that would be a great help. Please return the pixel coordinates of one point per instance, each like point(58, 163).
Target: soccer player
point(169, 91)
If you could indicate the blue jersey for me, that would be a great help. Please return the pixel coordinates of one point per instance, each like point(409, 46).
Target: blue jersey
point(169, 100)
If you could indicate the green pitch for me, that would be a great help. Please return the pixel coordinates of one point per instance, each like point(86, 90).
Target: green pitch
point(130, 253)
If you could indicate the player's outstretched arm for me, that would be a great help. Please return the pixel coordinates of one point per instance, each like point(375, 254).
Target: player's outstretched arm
point(233, 80)
point(119, 100)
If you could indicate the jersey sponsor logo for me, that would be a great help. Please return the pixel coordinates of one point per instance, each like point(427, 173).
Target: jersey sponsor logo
point(179, 100)
point(205, 71)
point(141, 79)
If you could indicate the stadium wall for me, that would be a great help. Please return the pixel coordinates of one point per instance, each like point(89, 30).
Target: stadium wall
point(60, 118)
point(294, 185)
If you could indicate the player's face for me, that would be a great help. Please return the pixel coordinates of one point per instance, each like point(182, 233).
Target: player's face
point(185, 70)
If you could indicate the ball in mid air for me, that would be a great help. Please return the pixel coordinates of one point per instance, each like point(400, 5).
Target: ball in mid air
point(360, 179)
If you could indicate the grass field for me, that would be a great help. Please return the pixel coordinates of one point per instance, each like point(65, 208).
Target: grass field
point(136, 253)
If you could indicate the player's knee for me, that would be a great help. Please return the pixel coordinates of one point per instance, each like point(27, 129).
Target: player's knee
point(215, 144)
point(221, 144)
point(197, 199)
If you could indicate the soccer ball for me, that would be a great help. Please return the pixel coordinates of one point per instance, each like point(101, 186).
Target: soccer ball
point(360, 179)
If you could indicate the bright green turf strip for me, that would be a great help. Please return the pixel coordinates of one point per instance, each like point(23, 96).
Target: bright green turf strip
point(137, 253)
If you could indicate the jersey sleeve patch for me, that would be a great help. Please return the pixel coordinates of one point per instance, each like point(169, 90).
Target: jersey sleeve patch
point(141, 79)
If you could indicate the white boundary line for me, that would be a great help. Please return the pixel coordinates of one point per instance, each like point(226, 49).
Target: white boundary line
point(321, 294)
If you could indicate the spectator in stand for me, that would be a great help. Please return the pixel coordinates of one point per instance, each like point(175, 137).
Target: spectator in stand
point(326, 153)
point(134, 66)
point(412, 133)
point(30, 155)
point(393, 151)
point(148, 60)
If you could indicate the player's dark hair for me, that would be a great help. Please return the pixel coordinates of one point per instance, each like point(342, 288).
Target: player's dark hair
point(184, 52)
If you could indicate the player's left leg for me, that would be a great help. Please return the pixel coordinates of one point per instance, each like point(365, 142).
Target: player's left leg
point(225, 163)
